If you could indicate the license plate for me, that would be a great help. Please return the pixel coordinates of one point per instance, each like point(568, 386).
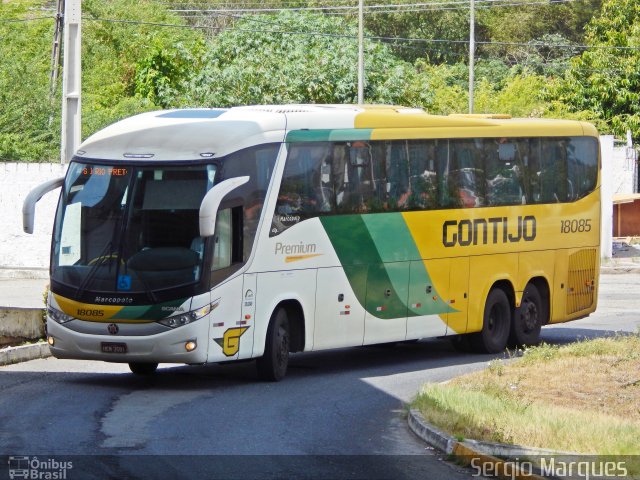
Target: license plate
point(110, 347)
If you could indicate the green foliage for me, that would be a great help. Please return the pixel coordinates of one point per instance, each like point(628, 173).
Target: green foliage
point(281, 63)
point(521, 97)
point(127, 68)
point(438, 34)
point(497, 90)
point(161, 75)
point(605, 82)
point(549, 55)
point(447, 94)
point(27, 131)
point(530, 22)
point(138, 56)
point(126, 60)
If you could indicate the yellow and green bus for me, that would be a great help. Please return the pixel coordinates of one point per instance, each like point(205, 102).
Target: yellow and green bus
point(212, 235)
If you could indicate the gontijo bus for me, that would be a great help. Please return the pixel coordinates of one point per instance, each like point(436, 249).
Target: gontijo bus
point(211, 235)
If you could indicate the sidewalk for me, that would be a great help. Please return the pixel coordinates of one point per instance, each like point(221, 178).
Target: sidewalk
point(626, 258)
point(22, 292)
point(21, 305)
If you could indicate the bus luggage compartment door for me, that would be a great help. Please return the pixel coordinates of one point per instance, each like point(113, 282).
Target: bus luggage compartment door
point(386, 303)
point(339, 316)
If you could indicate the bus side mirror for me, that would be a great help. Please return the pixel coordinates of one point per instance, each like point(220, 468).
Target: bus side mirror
point(29, 205)
point(211, 203)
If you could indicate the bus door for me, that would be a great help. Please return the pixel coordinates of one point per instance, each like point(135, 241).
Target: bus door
point(386, 302)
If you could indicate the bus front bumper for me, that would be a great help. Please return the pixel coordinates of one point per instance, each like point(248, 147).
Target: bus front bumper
point(165, 347)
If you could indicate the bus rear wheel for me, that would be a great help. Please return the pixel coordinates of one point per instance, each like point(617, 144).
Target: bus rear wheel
point(272, 366)
point(528, 319)
point(496, 324)
point(143, 368)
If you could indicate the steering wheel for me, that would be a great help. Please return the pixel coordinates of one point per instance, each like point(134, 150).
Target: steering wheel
point(105, 259)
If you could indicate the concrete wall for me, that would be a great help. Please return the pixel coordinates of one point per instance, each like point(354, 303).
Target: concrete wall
point(624, 169)
point(22, 254)
point(606, 191)
point(20, 324)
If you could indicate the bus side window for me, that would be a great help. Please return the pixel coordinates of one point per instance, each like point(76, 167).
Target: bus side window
point(423, 176)
point(582, 166)
point(466, 173)
point(504, 166)
point(394, 182)
point(360, 183)
point(554, 183)
point(302, 182)
point(339, 173)
point(222, 240)
point(227, 243)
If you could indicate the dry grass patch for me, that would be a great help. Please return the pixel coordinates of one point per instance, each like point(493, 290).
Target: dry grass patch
point(583, 398)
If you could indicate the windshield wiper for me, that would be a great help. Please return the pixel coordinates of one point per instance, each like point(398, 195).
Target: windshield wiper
point(100, 260)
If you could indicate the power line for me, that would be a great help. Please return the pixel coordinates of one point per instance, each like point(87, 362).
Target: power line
point(337, 35)
point(380, 8)
point(24, 20)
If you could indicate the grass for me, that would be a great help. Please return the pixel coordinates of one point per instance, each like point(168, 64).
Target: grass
point(583, 398)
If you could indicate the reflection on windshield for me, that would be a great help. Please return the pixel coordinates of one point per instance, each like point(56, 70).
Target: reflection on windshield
point(130, 229)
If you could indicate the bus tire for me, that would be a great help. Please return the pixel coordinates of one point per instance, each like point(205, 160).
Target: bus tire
point(272, 366)
point(143, 368)
point(496, 324)
point(528, 319)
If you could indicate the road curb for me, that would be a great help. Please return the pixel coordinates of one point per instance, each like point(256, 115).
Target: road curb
point(24, 353)
point(472, 452)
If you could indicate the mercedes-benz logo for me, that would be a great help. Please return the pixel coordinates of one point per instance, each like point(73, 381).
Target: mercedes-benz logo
point(113, 328)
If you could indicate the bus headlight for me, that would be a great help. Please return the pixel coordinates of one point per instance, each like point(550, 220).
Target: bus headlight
point(185, 318)
point(58, 316)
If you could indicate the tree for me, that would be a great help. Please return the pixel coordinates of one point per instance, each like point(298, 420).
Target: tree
point(130, 64)
point(604, 82)
point(522, 96)
point(439, 36)
point(26, 120)
point(136, 65)
point(297, 57)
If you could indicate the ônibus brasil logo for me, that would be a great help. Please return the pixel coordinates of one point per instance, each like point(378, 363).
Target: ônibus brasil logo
point(37, 469)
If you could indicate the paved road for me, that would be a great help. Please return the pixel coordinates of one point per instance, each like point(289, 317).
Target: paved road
point(337, 414)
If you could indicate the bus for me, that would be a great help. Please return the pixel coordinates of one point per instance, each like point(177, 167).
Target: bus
point(212, 235)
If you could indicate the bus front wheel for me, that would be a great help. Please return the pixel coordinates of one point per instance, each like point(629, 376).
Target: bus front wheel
point(143, 368)
point(496, 324)
point(272, 366)
point(528, 319)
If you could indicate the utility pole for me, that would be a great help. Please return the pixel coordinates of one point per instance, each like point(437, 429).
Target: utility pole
point(472, 48)
point(71, 90)
point(55, 49)
point(360, 52)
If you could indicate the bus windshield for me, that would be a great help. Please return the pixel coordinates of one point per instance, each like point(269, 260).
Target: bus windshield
point(134, 229)
point(131, 228)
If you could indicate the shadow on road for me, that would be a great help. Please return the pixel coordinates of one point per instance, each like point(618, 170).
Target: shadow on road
point(337, 414)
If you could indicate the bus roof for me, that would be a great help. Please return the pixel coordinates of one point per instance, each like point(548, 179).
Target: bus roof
point(192, 134)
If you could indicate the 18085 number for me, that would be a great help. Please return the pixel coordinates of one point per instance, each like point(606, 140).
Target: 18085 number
point(575, 226)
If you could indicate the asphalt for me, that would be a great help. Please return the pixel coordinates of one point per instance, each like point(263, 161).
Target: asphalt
point(21, 293)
